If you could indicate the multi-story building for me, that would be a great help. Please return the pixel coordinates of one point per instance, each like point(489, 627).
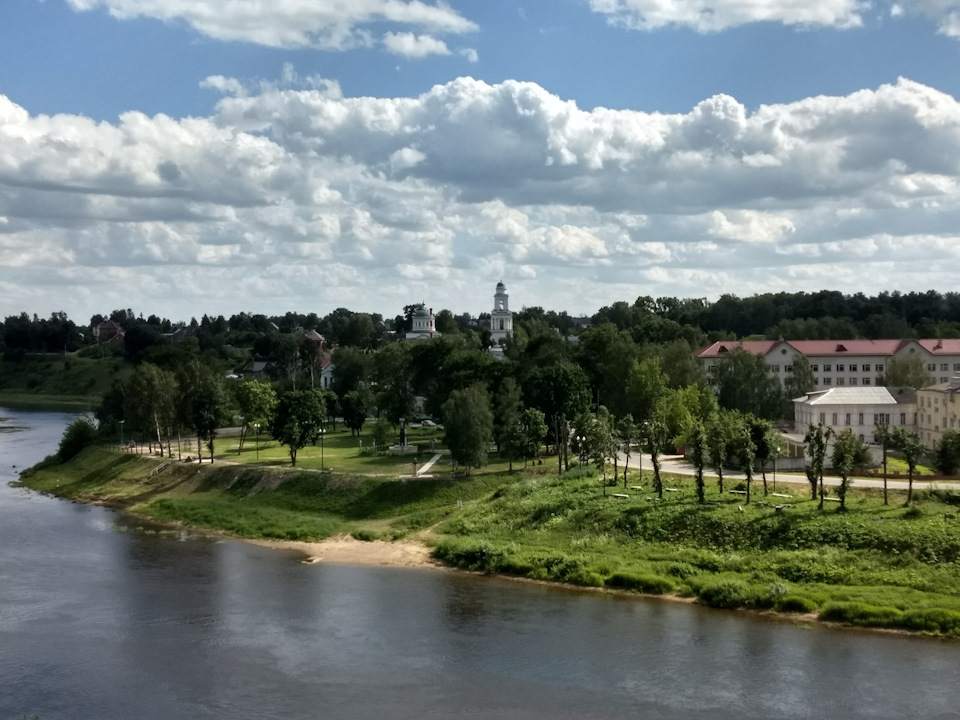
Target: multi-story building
point(938, 410)
point(859, 409)
point(842, 363)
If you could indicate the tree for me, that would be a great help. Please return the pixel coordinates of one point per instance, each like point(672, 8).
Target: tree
point(298, 419)
point(883, 435)
point(907, 371)
point(743, 382)
point(948, 453)
point(468, 426)
point(354, 411)
point(601, 441)
point(79, 435)
point(209, 407)
point(256, 401)
point(561, 392)
point(626, 435)
point(151, 401)
point(656, 440)
point(381, 434)
point(392, 370)
point(646, 386)
point(760, 431)
point(909, 443)
point(817, 440)
point(746, 449)
point(698, 455)
point(800, 381)
point(506, 413)
point(533, 431)
point(718, 441)
point(846, 448)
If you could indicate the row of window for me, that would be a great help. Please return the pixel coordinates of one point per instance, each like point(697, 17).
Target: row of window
point(944, 367)
point(878, 418)
point(840, 382)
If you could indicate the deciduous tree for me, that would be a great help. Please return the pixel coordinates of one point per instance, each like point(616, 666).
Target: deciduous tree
point(298, 419)
point(468, 426)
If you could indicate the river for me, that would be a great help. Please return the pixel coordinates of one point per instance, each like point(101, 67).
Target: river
point(103, 617)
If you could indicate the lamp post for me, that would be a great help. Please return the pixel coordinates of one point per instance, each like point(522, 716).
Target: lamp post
point(321, 448)
point(256, 426)
point(121, 433)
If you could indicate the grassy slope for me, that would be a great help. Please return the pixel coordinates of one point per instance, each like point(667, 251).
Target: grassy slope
point(874, 565)
point(64, 381)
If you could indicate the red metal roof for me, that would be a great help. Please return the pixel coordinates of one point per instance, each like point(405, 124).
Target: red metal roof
point(831, 348)
point(823, 348)
point(722, 347)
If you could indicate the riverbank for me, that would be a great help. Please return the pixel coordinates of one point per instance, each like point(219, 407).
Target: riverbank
point(873, 566)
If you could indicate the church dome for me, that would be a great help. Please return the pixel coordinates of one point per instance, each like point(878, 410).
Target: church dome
point(422, 313)
point(500, 287)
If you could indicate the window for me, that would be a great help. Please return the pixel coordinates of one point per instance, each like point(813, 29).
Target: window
point(956, 367)
point(816, 368)
point(840, 368)
point(839, 381)
point(823, 418)
point(881, 418)
point(853, 381)
point(846, 420)
point(827, 381)
point(826, 367)
point(788, 368)
point(833, 420)
point(860, 419)
point(866, 381)
point(775, 368)
point(944, 367)
point(816, 381)
point(861, 437)
point(879, 368)
point(903, 418)
point(931, 367)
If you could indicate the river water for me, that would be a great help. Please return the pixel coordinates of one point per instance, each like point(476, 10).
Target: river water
point(101, 617)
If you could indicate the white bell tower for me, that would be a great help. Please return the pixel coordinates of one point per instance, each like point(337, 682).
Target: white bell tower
point(501, 319)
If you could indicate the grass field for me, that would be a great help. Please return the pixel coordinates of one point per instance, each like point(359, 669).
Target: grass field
point(59, 381)
point(874, 565)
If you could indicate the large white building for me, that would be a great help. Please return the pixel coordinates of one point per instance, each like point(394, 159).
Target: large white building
point(938, 411)
point(842, 363)
point(859, 409)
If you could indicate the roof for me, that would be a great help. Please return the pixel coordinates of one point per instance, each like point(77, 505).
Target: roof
point(722, 347)
point(820, 348)
point(949, 346)
point(421, 313)
point(952, 385)
point(855, 396)
point(832, 348)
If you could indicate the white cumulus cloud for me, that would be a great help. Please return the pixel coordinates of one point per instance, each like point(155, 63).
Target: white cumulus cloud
point(414, 46)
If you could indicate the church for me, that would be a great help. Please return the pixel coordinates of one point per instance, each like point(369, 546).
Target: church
point(501, 320)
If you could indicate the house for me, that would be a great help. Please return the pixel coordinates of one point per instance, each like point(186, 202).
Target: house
point(841, 363)
point(858, 409)
point(938, 411)
point(108, 331)
point(326, 370)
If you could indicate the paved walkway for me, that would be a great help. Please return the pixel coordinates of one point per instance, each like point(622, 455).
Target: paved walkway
point(681, 466)
point(421, 471)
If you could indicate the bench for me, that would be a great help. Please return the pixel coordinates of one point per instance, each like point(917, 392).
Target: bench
point(620, 495)
point(781, 495)
point(829, 499)
point(738, 492)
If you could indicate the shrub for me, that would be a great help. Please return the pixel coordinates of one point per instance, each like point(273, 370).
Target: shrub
point(933, 620)
point(858, 613)
point(681, 570)
point(79, 435)
point(726, 594)
point(795, 604)
point(365, 535)
point(652, 584)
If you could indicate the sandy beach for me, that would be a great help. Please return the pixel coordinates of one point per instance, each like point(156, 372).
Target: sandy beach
point(346, 549)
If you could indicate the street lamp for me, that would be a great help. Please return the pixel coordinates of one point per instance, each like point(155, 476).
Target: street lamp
point(121, 433)
point(257, 427)
point(321, 448)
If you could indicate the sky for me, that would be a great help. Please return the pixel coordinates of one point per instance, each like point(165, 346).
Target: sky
point(190, 157)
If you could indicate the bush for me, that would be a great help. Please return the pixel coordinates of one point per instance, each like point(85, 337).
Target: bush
point(79, 435)
point(652, 584)
point(681, 570)
point(858, 613)
point(933, 620)
point(726, 594)
point(364, 535)
point(795, 604)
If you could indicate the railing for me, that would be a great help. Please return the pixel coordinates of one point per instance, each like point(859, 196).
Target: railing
point(159, 468)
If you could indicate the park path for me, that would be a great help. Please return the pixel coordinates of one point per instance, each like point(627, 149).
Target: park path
point(679, 465)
